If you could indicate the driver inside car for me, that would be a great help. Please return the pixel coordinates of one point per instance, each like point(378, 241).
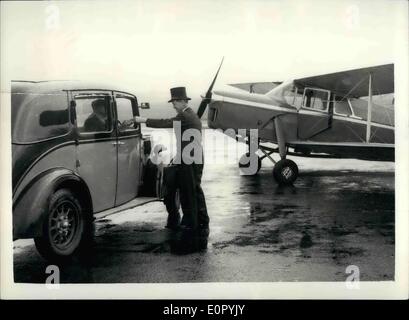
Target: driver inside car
point(98, 120)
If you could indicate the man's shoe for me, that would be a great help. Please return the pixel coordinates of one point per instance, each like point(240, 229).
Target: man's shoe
point(173, 227)
point(201, 243)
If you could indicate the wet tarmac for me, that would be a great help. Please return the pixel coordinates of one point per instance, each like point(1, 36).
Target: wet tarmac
point(338, 213)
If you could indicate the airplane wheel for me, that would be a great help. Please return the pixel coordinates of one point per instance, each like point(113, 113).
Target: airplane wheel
point(285, 171)
point(246, 168)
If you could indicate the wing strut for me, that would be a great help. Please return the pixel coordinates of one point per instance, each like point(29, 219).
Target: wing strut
point(280, 137)
point(369, 118)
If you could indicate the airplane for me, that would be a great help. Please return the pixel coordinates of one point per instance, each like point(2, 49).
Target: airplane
point(326, 116)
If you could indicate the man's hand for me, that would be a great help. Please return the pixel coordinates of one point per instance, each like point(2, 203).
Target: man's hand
point(139, 119)
point(126, 124)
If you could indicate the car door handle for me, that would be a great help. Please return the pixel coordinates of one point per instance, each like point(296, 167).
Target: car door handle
point(118, 143)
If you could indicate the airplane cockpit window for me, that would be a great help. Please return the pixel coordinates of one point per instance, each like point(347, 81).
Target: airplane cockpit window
point(342, 107)
point(288, 95)
point(293, 96)
point(316, 99)
point(297, 98)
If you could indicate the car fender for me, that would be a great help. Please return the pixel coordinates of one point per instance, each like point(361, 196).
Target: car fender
point(31, 204)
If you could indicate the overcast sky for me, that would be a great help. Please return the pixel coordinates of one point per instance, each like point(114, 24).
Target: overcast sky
point(151, 46)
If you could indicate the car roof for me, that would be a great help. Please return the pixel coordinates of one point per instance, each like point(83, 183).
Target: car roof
point(24, 86)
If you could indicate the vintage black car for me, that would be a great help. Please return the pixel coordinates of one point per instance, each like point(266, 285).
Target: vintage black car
point(76, 151)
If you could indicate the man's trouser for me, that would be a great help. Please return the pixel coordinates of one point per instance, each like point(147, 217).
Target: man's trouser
point(192, 198)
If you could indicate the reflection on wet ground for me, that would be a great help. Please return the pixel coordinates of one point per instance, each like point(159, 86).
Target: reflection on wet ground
point(259, 231)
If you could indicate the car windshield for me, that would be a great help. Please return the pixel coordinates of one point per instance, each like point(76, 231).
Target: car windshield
point(38, 116)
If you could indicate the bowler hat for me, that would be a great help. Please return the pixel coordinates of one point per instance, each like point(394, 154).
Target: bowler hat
point(178, 93)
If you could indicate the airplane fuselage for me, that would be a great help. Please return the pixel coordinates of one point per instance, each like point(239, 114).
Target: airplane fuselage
point(324, 130)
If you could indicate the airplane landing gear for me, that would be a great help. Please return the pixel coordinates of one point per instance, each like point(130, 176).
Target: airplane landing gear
point(285, 171)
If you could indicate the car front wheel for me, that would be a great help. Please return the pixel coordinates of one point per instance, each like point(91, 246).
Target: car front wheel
point(63, 227)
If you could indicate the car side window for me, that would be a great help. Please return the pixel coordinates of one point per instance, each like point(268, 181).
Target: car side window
point(93, 114)
point(38, 116)
point(125, 113)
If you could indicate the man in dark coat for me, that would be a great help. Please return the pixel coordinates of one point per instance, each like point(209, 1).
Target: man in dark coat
point(190, 164)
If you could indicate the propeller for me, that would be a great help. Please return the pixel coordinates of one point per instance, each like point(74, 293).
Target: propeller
point(208, 97)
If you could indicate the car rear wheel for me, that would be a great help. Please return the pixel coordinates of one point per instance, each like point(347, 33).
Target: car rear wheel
point(63, 227)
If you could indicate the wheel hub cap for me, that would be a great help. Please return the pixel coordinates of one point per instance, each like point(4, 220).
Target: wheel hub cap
point(287, 172)
point(63, 223)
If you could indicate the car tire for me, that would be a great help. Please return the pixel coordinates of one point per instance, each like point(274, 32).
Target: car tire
point(285, 172)
point(64, 227)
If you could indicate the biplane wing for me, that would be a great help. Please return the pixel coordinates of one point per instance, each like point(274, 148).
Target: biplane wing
point(256, 87)
point(353, 82)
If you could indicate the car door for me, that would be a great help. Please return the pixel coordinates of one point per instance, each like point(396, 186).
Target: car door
point(129, 139)
point(96, 148)
point(314, 116)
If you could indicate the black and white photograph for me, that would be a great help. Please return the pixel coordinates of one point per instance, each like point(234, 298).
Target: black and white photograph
point(204, 150)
